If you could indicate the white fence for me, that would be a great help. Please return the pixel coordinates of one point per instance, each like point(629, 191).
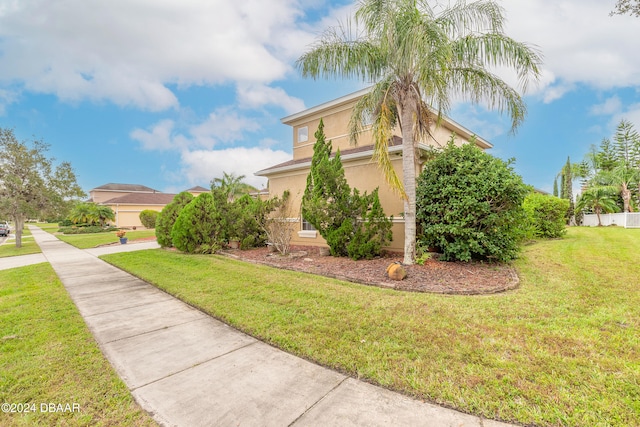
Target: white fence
point(626, 220)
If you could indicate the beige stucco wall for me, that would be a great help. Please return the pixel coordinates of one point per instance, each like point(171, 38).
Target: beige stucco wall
point(362, 174)
point(129, 215)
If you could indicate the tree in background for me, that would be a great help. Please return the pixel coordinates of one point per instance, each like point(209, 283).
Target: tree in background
point(232, 185)
point(30, 185)
point(555, 187)
point(470, 206)
point(91, 214)
point(567, 190)
point(600, 199)
point(167, 218)
point(417, 57)
point(616, 165)
point(623, 7)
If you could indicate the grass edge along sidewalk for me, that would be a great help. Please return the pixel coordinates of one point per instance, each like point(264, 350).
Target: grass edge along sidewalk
point(562, 350)
point(48, 356)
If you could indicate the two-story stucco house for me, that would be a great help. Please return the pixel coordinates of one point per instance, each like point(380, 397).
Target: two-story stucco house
point(360, 170)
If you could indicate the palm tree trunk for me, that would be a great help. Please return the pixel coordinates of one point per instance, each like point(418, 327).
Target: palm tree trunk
point(626, 197)
point(409, 182)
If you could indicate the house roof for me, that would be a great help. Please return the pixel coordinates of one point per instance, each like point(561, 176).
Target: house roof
point(141, 199)
point(198, 188)
point(350, 154)
point(126, 188)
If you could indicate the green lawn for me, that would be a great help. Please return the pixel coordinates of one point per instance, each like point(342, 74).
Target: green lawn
point(562, 350)
point(85, 241)
point(47, 355)
point(49, 227)
point(29, 246)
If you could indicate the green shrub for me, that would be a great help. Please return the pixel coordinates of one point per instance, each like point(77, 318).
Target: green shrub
point(546, 214)
point(469, 205)
point(167, 218)
point(243, 220)
point(198, 228)
point(148, 218)
point(65, 223)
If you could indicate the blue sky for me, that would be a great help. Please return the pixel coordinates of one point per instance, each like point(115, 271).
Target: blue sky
point(170, 94)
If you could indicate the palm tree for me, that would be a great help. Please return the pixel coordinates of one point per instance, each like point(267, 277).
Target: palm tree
point(104, 213)
point(621, 178)
point(600, 199)
point(232, 185)
point(83, 213)
point(416, 57)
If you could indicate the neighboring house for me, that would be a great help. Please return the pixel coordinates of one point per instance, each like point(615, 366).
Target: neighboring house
point(111, 191)
point(360, 170)
point(128, 200)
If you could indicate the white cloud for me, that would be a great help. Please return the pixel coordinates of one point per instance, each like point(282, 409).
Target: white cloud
point(608, 107)
point(203, 165)
point(127, 51)
point(579, 41)
point(221, 126)
point(158, 138)
point(256, 96)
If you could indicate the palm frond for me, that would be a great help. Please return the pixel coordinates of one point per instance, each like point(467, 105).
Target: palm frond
point(382, 135)
point(479, 85)
point(341, 53)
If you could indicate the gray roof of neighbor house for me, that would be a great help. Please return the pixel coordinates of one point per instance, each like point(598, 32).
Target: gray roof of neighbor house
point(198, 188)
point(126, 188)
point(141, 199)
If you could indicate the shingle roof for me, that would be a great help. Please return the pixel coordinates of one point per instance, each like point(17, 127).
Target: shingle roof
point(142, 199)
point(126, 188)
point(198, 188)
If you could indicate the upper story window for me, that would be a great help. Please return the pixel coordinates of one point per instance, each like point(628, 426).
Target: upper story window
point(303, 134)
point(367, 119)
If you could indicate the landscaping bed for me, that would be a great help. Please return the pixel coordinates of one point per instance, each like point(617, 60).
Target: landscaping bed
point(434, 276)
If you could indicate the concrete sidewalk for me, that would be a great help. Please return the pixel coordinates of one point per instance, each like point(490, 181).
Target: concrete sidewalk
point(188, 369)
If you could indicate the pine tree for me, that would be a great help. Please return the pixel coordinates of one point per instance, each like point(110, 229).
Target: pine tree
point(567, 190)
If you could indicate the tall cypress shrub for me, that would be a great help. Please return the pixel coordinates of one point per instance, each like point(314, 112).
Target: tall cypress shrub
point(353, 225)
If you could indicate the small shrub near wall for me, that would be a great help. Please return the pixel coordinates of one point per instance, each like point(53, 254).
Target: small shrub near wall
point(148, 218)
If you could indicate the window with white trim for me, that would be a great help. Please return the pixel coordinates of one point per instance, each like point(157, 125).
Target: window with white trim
point(307, 226)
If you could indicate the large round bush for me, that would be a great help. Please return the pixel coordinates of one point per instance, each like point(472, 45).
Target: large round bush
point(469, 205)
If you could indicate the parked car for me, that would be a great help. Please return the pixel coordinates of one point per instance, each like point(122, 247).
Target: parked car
point(4, 229)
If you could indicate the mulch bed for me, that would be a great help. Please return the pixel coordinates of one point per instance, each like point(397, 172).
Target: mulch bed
point(434, 276)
